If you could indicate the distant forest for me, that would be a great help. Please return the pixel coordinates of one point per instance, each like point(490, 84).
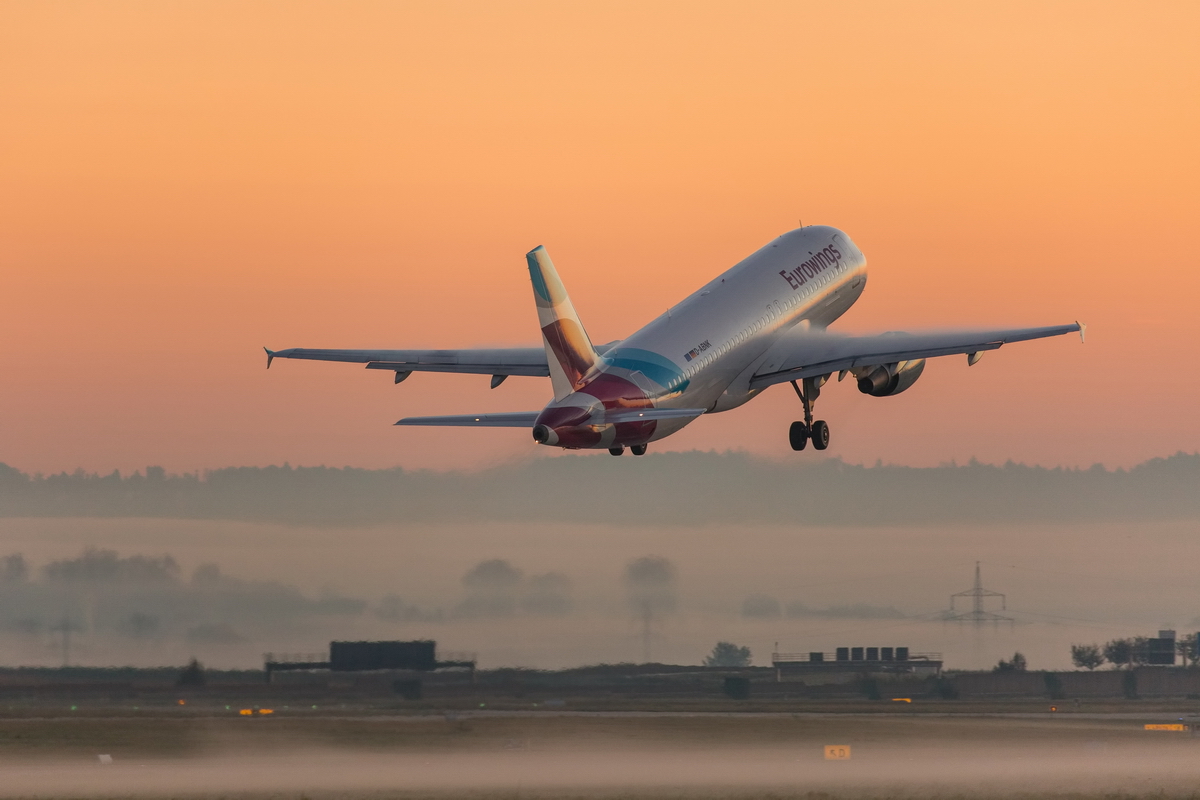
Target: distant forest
point(663, 488)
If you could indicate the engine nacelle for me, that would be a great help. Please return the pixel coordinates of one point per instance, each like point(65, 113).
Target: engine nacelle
point(886, 380)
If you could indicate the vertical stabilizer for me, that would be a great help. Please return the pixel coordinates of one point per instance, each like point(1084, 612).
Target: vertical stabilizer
point(569, 351)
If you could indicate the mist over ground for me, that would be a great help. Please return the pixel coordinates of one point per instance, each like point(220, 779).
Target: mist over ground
point(528, 564)
point(660, 488)
point(618, 756)
point(547, 595)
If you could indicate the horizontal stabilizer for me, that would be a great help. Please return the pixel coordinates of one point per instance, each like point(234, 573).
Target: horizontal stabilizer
point(485, 361)
point(526, 419)
point(518, 419)
point(502, 361)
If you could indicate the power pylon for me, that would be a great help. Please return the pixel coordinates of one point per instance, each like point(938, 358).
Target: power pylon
point(66, 628)
point(977, 615)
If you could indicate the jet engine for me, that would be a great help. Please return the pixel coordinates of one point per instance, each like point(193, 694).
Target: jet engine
point(884, 380)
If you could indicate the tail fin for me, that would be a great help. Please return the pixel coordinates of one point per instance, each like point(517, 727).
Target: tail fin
point(569, 351)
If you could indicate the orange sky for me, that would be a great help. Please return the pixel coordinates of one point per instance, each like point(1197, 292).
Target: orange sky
point(182, 183)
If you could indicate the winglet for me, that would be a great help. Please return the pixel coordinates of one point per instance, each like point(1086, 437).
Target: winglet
point(270, 357)
point(1082, 330)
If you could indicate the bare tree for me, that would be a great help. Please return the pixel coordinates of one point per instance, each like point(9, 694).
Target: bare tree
point(650, 589)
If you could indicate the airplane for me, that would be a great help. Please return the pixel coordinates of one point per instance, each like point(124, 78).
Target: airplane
point(763, 322)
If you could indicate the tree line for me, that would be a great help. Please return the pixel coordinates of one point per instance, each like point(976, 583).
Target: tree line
point(661, 488)
point(1128, 653)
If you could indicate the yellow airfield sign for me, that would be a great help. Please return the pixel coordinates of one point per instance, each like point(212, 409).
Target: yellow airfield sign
point(1173, 726)
point(837, 752)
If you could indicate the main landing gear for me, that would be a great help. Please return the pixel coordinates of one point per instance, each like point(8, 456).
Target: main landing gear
point(801, 432)
point(636, 449)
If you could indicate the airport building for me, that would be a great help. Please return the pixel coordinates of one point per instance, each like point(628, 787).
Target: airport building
point(414, 656)
point(850, 663)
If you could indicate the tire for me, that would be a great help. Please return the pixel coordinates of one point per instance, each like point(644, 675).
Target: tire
point(637, 449)
point(798, 436)
point(820, 434)
point(616, 451)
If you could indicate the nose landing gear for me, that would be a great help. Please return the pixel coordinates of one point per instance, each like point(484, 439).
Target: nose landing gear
point(800, 432)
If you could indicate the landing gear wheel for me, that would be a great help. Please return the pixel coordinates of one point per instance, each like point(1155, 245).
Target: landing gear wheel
point(616, 451)
point(798, 435)
point(820, 434)
point(637, 449)
point(818, 431)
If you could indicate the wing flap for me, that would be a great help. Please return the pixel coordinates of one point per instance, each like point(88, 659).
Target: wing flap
point(530, 370)
point(808, 355)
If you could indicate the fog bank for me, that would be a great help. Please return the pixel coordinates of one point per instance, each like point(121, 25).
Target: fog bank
point(664, 488)
point(551, 595)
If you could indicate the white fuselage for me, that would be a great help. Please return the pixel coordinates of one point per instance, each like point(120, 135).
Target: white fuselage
point(723, 333)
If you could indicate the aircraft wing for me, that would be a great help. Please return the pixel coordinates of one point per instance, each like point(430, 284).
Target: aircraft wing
point(808, 354)
point(489, 361)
